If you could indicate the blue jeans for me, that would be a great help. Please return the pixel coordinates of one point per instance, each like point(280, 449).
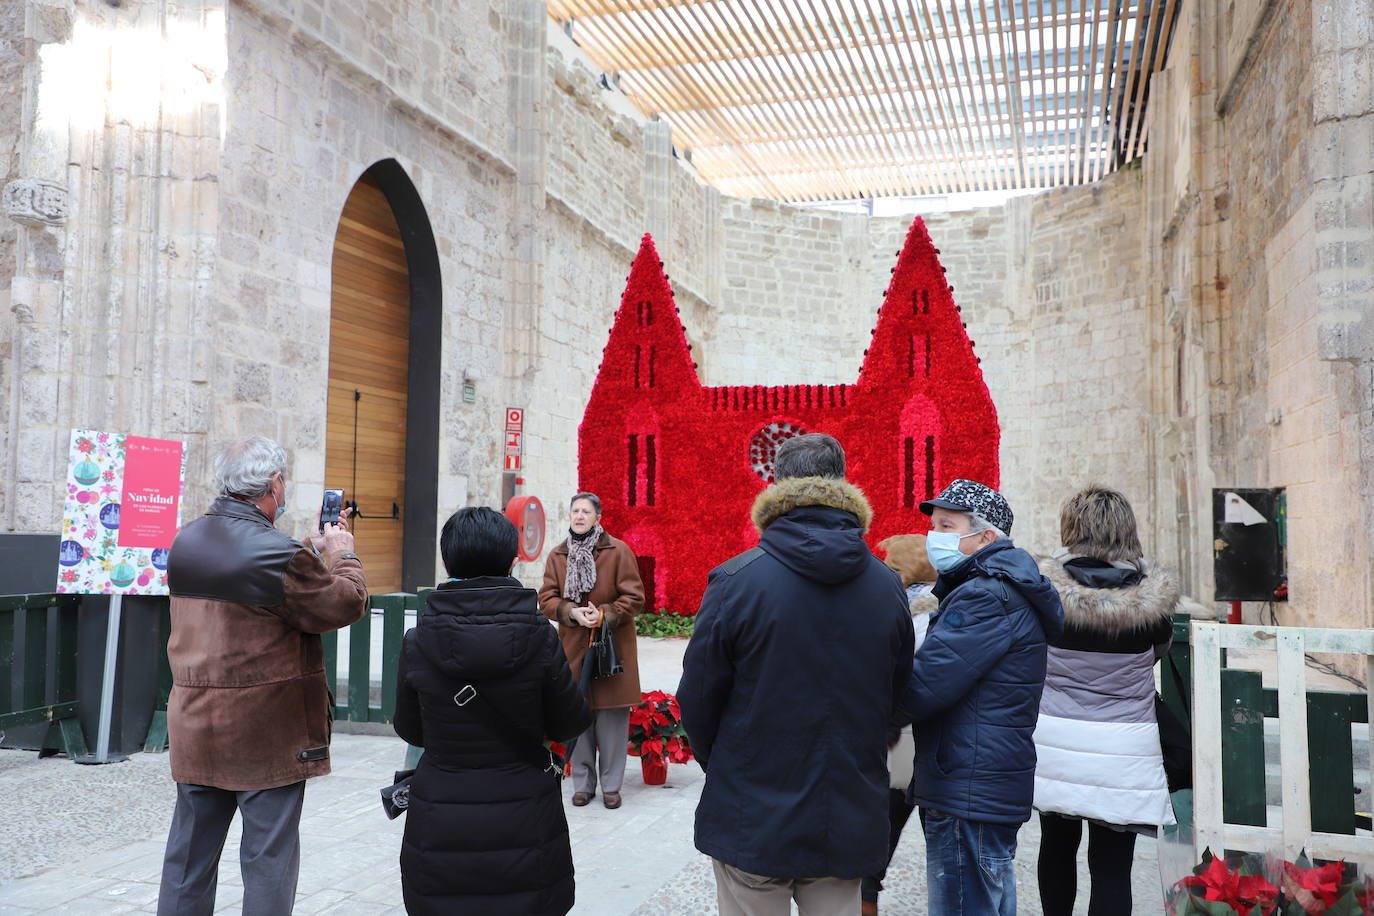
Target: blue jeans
point(969, 866)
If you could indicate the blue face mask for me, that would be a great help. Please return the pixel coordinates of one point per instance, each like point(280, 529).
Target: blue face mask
point(942, 547)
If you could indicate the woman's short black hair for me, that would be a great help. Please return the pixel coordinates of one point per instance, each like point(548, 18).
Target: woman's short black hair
point(477, 541)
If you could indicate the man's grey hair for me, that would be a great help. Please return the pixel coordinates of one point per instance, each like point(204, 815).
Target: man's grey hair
point(589, 497)
point(245, 468)
point(812, 455)
point(977, 524)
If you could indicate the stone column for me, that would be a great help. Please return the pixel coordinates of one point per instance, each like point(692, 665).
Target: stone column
point(118, 207)
point(658, 186)
point(1343, 196)
point(528, 21)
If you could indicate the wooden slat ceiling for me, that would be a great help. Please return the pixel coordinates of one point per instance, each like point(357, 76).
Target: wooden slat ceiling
point(813, 100)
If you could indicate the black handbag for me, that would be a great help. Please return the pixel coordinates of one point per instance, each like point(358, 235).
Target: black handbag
point(601, 660)
point(396, 797)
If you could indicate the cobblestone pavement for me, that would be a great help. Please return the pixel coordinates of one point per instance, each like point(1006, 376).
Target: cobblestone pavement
point(92, 841)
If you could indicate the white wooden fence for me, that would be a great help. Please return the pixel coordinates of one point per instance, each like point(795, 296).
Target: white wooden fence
point(1296, 832)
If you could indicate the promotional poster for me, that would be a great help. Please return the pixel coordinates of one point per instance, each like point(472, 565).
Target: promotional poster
point(123, 509)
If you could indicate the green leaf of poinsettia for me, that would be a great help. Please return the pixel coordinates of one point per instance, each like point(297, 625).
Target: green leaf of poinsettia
point(1346, 905)
point(1196, 906)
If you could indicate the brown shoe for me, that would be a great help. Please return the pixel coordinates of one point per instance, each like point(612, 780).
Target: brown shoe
point(611, 799)
point(582, 799)
point(868, 908)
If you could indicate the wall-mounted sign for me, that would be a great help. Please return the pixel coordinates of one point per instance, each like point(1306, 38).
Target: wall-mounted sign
point(122, 512)
point(515, 434)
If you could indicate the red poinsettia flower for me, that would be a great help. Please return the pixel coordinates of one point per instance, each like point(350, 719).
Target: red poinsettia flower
point(1241, 892)
point(1316, 889)
point(85, 445)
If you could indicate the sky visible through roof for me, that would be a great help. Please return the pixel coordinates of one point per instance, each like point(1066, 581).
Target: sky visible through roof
point(814, 100)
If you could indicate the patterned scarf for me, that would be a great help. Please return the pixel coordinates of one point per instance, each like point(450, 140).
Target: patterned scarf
point(581, 578)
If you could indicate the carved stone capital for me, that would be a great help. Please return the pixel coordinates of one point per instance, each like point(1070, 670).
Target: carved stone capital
point(34, 202)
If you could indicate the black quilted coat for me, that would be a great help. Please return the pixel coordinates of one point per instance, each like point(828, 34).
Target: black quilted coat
point(485, 832)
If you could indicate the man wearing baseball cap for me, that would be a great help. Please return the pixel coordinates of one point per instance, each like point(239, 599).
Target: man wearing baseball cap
point(974, 695)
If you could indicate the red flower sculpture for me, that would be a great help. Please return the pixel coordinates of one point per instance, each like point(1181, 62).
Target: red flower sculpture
point(665, 453)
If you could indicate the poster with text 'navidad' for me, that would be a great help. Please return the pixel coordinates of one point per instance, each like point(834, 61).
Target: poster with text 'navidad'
point(123, 509)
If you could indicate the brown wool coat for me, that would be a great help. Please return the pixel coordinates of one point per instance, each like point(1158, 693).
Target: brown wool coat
point(249, 699)
point(619, 593)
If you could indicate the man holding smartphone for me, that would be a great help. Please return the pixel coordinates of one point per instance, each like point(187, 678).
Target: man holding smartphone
point(250, 714)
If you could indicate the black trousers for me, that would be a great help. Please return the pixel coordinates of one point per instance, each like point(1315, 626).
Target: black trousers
point(1110, 854)
point(269, 854)
point(898, 812)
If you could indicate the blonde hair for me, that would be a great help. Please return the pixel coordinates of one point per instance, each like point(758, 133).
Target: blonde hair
point(1098, 522)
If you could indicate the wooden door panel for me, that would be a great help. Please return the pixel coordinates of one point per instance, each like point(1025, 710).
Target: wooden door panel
point(369, 348)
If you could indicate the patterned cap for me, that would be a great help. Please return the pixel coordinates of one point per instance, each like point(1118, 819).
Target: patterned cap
point(970, 496)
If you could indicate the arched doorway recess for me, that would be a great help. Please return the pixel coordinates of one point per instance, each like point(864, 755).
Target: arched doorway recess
point(381, 439)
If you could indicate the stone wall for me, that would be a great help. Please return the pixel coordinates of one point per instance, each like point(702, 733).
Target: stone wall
point(1197, 321)
point(1259, 239)
point(12, 58)
point(1070, 334)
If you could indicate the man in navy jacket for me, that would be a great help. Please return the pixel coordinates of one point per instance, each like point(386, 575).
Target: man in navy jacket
point(975, 695)
point(802, 647)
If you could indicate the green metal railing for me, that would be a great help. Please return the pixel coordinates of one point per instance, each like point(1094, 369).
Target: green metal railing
point(156, 742)
point(38, 668)
point(1245, 704)
point(358, 692)
point(357, 705)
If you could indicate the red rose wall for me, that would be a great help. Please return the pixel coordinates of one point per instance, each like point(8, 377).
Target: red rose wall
point(678, 465)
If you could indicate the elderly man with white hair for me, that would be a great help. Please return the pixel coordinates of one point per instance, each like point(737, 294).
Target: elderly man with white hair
point(249, 717)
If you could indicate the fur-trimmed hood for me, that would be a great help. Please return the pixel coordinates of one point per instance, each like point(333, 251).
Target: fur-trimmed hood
point(1113, 610)
point(795, 492)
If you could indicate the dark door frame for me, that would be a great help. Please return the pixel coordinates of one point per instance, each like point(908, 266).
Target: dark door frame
point(419, 516)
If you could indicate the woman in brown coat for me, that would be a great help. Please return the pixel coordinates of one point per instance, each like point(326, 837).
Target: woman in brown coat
point(589, 579)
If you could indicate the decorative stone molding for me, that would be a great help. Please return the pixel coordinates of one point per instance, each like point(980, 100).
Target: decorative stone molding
point(34, 202)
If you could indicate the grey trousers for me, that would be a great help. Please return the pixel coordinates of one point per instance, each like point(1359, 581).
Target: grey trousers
point(738, 893)
point(269, 856)
point(606, 739)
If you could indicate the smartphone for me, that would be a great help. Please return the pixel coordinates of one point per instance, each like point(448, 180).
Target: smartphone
point(333, 504)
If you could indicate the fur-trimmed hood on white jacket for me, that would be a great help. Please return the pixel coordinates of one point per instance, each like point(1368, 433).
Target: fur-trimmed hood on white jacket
point(1097, 740)
point(1113, 610)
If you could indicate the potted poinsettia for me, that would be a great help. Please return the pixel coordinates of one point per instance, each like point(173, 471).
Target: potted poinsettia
point(656, 736)
point(1216, 889)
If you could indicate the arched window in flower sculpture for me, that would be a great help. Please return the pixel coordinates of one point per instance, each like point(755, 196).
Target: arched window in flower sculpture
point(763, 447)
point(679, 464)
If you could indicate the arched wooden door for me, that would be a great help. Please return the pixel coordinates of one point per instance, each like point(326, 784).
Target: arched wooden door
point(369, 353)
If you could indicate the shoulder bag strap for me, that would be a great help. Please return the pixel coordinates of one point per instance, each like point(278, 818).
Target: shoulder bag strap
point(534, 753)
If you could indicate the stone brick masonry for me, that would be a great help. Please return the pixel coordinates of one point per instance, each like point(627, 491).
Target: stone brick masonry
point(1197, 321)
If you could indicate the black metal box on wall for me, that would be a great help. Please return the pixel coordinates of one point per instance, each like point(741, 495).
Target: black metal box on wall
point(1249, 540)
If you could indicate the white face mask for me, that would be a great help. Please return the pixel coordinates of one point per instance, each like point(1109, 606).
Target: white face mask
point(942, 548)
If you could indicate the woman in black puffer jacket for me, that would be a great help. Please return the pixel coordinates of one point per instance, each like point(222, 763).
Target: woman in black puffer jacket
point(485, 833)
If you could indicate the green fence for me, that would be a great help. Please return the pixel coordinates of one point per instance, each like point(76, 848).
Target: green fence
point(1245, 704)
point(38, 668)
point(354, 701)
point(156, 742)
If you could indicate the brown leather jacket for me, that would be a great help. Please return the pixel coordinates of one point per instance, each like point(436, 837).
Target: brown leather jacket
point(250, 708)
point(620, 594)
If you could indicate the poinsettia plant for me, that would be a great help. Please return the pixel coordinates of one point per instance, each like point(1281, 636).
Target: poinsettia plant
point(1217, 889)
point(656, 729)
